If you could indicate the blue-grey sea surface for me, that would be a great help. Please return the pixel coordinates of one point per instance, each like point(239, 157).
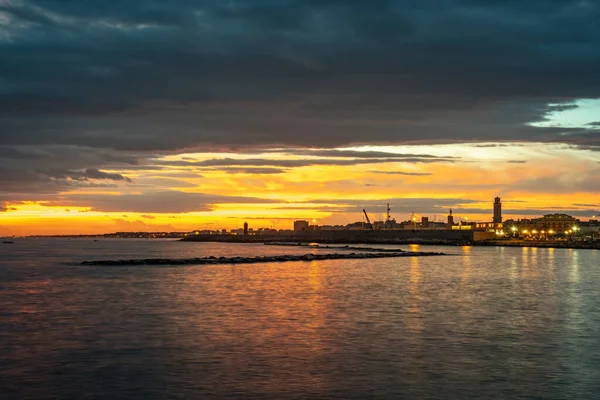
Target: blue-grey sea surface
point(485, 323)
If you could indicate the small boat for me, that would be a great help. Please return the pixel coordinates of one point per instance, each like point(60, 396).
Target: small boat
point(7, 242)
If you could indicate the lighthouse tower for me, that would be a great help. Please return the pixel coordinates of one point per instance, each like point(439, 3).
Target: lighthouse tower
point(497, 211)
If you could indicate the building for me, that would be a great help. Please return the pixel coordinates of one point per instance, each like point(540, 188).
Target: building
point(450, 220)
point(497, 211)
point(549, 223)
point(300, 226)
point(246, 228)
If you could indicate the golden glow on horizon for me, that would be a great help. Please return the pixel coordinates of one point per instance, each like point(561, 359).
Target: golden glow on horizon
point(547, 177)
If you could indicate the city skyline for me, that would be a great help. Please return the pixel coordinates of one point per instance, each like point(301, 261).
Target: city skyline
point(201, 115)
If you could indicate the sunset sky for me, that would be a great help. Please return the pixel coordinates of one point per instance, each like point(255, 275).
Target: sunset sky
point(147, 115)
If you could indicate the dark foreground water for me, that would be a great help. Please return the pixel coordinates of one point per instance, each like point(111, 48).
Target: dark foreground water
point(489, 323)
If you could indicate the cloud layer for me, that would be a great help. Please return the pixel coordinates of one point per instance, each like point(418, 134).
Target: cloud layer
point(155, 75)
point(102, 103)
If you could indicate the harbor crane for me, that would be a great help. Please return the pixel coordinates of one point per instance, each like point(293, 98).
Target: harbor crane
point(369, 225)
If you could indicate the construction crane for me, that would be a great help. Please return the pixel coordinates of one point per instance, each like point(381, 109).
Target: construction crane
point(388, 219)
point(369, 225)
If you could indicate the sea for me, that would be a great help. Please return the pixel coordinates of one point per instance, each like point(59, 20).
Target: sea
point(480, 323)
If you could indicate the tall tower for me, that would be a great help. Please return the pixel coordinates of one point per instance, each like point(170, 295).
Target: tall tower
point(245, 228)
point(497, 211)
point(450, 220)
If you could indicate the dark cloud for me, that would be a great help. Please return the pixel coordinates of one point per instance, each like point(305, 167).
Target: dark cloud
point(53, 168)
point(162, 183)
point(152, 202)
point(253, 171)
point(402, 173)
point(154, 76)
point(87, 175)
point(265, 162)
point(333, 153)
point(16, 183)
point(92, 173)
point(517, 162)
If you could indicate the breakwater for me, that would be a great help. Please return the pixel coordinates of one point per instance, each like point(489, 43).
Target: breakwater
point(254, 260)
point(320, 246)
point(430, 237)
point(434, 238)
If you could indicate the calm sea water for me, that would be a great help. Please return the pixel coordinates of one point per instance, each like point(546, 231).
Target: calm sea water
point(488, 323)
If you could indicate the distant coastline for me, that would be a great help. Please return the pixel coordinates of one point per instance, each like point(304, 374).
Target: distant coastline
point(378, 240)
point(345, 239)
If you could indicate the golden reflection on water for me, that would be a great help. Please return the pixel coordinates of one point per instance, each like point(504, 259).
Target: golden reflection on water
point(533, 262)
point(466, 260)
point(414, 301)
point(285, 317)
point(525, 256)
point(415, 275)
point(414, 247)
point(551, 262)
point(574, 292)
point(314, 305)
point(575, 269)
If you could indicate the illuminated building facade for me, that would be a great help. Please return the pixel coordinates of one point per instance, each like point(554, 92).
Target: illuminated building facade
point(555, 223)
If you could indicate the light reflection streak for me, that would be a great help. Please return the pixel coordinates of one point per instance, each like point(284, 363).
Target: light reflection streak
point(574, 292)
point(551, 262)
point(525, 260)
point(414, 304)
point(466, 272)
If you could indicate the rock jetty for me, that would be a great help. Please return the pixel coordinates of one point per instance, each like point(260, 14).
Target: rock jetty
point(346, 247)
point(254, 260)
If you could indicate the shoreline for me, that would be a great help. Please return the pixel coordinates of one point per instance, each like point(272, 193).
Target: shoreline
point(283, 241)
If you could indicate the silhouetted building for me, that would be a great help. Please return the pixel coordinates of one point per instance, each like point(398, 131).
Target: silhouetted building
point(450, 220)
point(300, 226)
point(497, 211)
point(245, 228)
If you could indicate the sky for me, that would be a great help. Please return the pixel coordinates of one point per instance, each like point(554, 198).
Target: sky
point(148, 115)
